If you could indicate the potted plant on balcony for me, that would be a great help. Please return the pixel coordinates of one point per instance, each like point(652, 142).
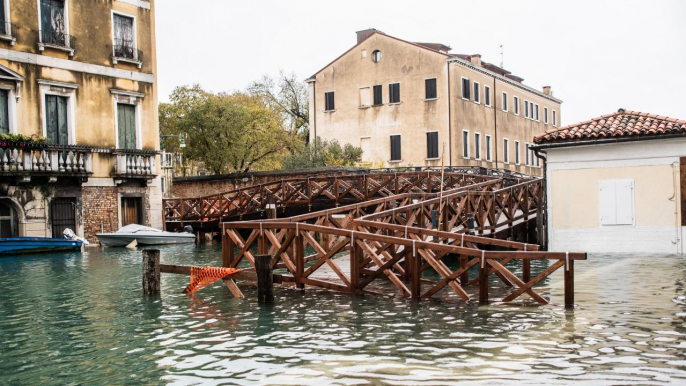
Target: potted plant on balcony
point(21, 141)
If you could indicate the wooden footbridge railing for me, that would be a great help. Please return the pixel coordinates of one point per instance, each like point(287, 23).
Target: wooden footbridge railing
point(323, 191)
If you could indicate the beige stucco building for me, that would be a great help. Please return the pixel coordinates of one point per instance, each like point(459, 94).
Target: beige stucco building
point(616, 183)
point(403, 103)
point(80, 73)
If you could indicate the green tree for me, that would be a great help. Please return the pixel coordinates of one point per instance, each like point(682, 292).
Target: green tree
point(227, 132)
point(322, 153)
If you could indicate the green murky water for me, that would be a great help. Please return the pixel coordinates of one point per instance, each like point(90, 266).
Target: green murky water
point(81, 319)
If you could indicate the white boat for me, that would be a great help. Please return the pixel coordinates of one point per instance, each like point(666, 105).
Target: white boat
point(143, 236)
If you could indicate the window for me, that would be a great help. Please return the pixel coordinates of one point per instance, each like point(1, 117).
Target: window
point(126, 126)
point(616, 202)
point(167, 160)
point(537, 112)
point(477, 146)
point(430, 88)
point(394, 93)
point(124, 36)
point(162, 184)
point(538, 160)
point(56, 119)
point(477, 97)
point(54, 28)
point(488, 148)
point(545, 115)
point(329, 104)
point(554, 118)
point(5, 27)
point(506, 150)
point(526, 153)
point(4, 111)
point(376, 56)
point(516, 105)
point(526, 109)
point(487, 96)
point(365, 97)
point(517, 160)
point(465, 88)
point(432, 144)
point(465, 143)
point(395, 148)
point(504, 102)
point(378, 97)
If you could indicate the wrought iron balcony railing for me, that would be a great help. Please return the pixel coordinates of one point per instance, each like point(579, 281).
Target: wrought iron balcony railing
point(126, 53)
point(57, 39)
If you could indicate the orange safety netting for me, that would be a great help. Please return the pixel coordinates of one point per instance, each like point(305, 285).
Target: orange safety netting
point(204, 276)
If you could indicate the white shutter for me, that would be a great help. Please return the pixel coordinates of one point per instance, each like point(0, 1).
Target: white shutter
point(606, 202)
point(365, 145)
point(365, 97)
point(616, 202)
point(624, 190)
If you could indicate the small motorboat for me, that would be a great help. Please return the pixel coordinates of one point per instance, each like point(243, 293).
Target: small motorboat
point(143, 236)
point(23, 245)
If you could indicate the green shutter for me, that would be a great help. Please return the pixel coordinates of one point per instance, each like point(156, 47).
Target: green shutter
point(56, 119)
point(127, 126)
point(4, 112)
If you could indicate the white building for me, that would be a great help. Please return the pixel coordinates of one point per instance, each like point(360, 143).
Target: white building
point(616, 183)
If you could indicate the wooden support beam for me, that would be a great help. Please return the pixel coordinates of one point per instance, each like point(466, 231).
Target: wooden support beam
point(526, 271)
point(569, 284)
point(235, 291)
point(151, 271)
point(416, 269)
point(265, 284)
point(483, 281)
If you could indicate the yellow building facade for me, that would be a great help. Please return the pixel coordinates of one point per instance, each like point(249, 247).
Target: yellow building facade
point(412, 104)
point(80, 74)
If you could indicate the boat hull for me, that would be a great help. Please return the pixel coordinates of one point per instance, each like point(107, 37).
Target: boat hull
point(25, 245)
point(122, 240)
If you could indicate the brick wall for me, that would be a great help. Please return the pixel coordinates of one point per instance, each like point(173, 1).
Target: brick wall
point(100, 211)
point(206, 185)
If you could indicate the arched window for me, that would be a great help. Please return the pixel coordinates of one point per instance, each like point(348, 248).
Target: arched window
point(7, 221)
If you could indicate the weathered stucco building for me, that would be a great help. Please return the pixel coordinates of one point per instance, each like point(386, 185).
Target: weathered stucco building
point(616, 183)
point(401, 102)
point(80, 73)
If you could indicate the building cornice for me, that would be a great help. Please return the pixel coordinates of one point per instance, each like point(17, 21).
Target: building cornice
point(48, 82)
point(115, 91)
point(73, 65)
point(511, 82)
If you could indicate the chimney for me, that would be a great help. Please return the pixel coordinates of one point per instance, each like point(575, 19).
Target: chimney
point(475, 59)
point(365, 33)
point(547, 91)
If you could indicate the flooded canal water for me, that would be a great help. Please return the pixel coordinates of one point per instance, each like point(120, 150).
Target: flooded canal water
point(81, 319)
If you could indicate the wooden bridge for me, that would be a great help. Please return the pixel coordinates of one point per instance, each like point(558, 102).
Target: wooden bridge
point(395, 226)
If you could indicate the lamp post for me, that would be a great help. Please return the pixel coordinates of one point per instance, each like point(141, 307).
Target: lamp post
point(181, 137)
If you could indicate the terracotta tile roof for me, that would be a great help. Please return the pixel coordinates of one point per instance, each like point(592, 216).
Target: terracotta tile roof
point(620, 124)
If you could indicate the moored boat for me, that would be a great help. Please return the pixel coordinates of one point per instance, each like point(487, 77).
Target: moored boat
point(143, 236)
point(23, 245)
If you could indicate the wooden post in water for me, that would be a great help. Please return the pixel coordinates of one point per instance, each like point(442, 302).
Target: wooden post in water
point(569, 283)
point(483, 282)
point(151, 271)
point(526, 270)
point(271, 208)
point(227, 249)
point(464, 277)
point(265, 280)
point(416, 269)
point(299, 252)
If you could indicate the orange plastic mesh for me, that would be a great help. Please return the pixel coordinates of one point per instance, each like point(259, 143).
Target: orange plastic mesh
point(204, 276)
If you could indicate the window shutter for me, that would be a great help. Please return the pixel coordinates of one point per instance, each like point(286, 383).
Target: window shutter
point(365, 97)
point(396, 94)
point(606, 203)
point(378, 96)
point(4, 112)
point(624, 192)
point(395, 148)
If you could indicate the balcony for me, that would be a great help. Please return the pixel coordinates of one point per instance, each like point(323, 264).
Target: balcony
point(56, 40)
point(26, 160)
point(8, 32)
point(126, 53)
point(137, 165)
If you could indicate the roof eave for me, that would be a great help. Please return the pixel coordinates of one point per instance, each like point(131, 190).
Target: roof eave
point(604, 141)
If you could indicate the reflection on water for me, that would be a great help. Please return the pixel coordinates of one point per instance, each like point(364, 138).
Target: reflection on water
point(81, 318)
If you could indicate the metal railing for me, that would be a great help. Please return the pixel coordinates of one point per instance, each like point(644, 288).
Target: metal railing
point(57, 38)
point(127, 51)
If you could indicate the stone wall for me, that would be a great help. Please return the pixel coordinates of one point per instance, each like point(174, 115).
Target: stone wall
point(100, 211)
point(207, 185)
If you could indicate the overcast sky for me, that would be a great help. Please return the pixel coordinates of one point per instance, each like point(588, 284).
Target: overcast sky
point(597, 55)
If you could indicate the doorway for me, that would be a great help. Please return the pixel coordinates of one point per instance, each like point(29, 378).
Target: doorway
point(8, 221)
point(131, 210)
point(63, 215)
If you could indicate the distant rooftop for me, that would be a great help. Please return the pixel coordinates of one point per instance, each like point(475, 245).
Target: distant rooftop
point(621, 124)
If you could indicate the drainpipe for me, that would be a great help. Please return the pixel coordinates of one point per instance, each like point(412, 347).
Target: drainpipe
point(544, 205)
point(450, 123)
point(314, 102)
point(495, 122)
point(675, 185)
